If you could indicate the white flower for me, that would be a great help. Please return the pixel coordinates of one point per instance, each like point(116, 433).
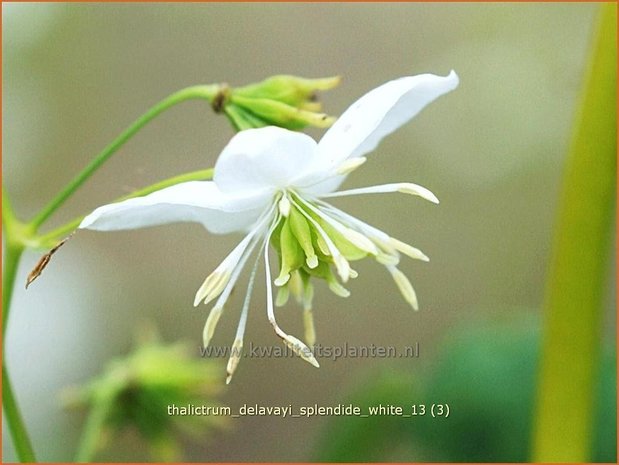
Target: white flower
point(272, 184)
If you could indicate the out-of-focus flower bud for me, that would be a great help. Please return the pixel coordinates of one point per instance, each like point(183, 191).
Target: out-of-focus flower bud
point(143, 391)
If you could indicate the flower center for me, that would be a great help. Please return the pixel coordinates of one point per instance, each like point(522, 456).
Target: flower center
point(311, 243)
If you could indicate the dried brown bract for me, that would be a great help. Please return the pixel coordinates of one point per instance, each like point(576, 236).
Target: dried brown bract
point(44, 261)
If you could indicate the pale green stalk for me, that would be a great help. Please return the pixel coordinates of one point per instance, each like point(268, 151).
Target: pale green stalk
point(18, 235)
point(578, 271)
point(13, 250)
point(52, 237)
point(207, 92)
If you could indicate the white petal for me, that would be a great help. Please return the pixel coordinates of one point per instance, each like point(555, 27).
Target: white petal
point(375, 115)
point(380, 112)
point(264, 158)
point(195, 201)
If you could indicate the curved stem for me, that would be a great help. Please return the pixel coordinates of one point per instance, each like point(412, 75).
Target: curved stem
point(68, 228)
point(207, 92)
point(12, 254)
point(21, 440)
point(10, 261)
point(578, 271)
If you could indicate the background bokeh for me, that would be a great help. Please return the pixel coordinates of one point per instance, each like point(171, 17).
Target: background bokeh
point(75, 75)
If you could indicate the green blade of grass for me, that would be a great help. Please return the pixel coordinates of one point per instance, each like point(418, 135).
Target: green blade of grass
point(578, 271)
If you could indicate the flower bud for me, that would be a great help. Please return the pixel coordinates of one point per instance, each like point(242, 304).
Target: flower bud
point(292, 90)
point(285, 101)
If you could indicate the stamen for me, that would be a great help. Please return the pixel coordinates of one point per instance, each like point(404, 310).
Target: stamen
point(310, 330)
point(415, 189)
point(342, 266)
point(403, 187)
point(408, 250)
point(216, 282)
point(282, 296)
point(300, 349)
point(284, 206)
point(354, 237)
point(235, 358)
point(213, 318)
point(338, 289)
point(390, 245)
point(360, 241)
point(405, 286)
point(387, 255)
point(296, 285)
point(308, 296)
point(291, 342)
point(368, 230)
point(237, 346)
point(387, 259)
point(211, 323)
point(223, 298)
point(213, 285)
point(350, 165)
point(346, 167)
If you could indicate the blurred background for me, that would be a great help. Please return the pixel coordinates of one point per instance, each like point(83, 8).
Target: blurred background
point(75, 75)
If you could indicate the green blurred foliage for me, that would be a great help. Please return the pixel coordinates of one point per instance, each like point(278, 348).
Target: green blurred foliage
point(135, 392)
point(487, 375)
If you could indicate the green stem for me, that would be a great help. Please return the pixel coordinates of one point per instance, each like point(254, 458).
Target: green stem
point(207, 92)
point(578, 271)
point(12, 254)
point(13, 250)
point(50, 238)
point(17, 235)
point(21, 440)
